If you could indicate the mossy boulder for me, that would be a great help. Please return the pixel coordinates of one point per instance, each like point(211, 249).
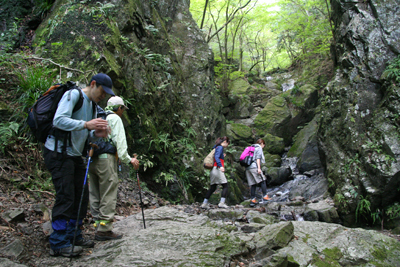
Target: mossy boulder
point(272, 160)
point(274, 117)
point(260, 95)
point(321, 211)
point(271, 85)
point(238, 87)
point(240, 134)
point(302, 98)
point(302, 138)
point(305, 148)
point(274, 237)
point(274, 144)
point(237, 107)
point(284, 113)
point(261, 218)
point(279, 175)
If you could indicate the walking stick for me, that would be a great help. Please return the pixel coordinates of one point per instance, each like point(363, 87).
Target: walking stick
point(91, 150)
point(140, 193)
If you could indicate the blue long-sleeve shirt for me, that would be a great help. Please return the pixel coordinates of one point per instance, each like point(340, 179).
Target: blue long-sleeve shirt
point(219, 154)
point(66, 120)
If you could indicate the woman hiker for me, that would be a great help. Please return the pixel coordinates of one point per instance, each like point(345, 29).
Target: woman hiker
point(217, 175)
point(255, 175)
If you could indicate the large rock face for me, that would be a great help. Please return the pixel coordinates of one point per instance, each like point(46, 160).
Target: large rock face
point(156, 57)
point(358, 130)
point(174, 237)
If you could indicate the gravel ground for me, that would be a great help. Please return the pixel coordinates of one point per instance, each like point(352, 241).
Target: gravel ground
point(27, 233)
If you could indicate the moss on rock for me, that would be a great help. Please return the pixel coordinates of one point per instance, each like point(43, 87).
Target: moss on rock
point(273, 118)
point(302, 138)
point(239, 132)
point(274, 144)
point(272, 160)
point(238, 86)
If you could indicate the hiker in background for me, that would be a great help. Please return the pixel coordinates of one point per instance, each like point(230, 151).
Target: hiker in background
point(103, 172)
point(255, 175)
point(68, 169)
point(217, 175)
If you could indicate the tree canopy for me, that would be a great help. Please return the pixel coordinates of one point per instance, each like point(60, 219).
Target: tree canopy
point(262, 35)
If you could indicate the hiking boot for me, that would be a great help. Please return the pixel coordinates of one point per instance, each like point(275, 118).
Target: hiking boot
point(86, 243)
point(222, 205)
point(205, 206)
point(265, 199)
point(253, 202)
point(109, 235)
point(66, 252)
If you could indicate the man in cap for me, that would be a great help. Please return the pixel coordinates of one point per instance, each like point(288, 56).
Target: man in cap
point(68, 169)
point(103, 173)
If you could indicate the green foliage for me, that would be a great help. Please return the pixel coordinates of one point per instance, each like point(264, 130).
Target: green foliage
point(162, 143)
point(158, 60)
point(101, 9)
point(374, 147)
point(177, 152)
point(353, 162)
point(146, 161)
point(340, 201)
point(8, 131)
point(235, 75)
point(42, 7)
point(151, 29)
point(376, 216)
point(363, 208)
point(291, 96)
point(8, 37)
point(34, 81)
point(261, 36)
point(303, 27)
point(393, 211)
point(393, 69)
point(24, 81)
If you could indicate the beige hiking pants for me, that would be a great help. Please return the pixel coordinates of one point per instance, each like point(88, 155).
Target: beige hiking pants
point(103, 187)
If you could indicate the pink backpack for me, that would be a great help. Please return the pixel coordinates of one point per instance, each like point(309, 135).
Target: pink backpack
point(247, 156)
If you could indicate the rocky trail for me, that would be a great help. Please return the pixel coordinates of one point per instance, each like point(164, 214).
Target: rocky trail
point(25, 222)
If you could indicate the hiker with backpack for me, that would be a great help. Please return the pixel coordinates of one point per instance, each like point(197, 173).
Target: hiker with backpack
point(254, 174)
point(103, 172)
point(63, 158)
point(217, 175)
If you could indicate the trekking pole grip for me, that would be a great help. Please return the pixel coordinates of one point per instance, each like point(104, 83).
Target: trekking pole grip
point(92, 148)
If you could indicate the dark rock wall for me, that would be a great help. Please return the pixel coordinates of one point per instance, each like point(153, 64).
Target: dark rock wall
point(358, 138)
point(157, 58)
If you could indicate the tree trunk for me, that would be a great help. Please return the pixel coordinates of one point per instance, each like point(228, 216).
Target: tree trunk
point(204, 15)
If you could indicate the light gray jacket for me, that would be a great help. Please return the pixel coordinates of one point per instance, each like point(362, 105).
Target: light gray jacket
point(65, 120)
point(258, 154)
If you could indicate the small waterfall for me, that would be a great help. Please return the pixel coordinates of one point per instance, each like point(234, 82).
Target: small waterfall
point(288, 85)
point(290, 162)
point(281, 192)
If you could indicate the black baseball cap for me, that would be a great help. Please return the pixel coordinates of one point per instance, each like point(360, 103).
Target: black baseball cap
point(105, 81)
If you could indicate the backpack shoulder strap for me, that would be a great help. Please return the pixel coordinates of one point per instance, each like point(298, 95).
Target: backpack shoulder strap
point(94, 108)
point(80, 101)
point(109, 112)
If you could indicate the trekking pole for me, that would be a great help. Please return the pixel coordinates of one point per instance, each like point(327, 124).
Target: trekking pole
point(140, 193)
point(91, 150)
